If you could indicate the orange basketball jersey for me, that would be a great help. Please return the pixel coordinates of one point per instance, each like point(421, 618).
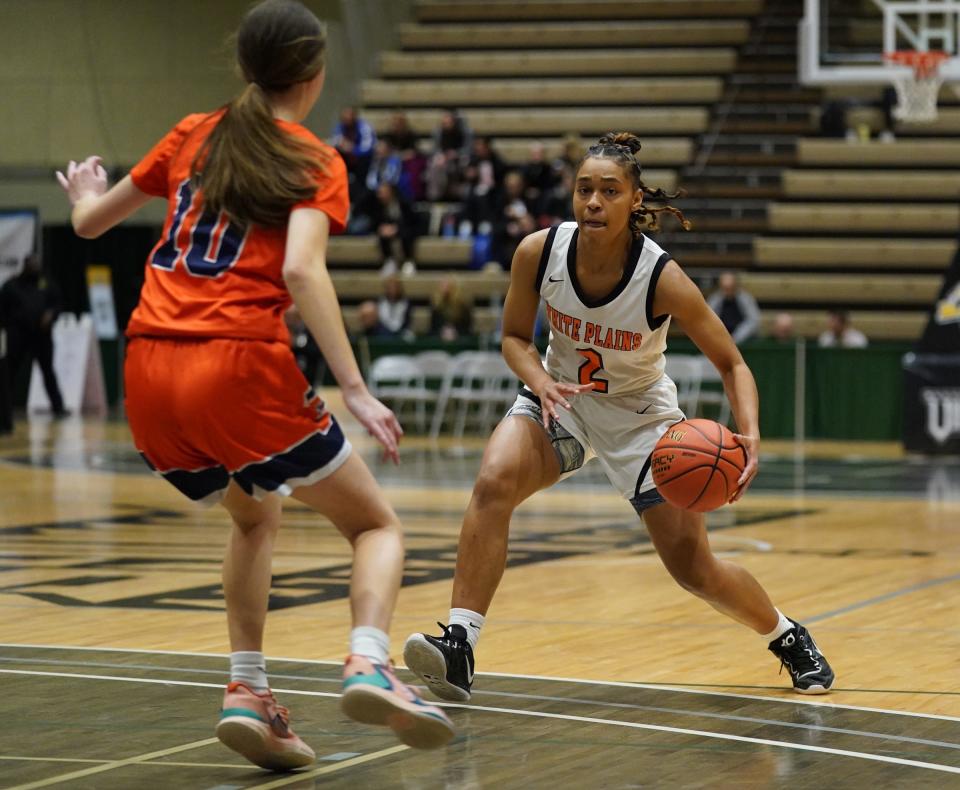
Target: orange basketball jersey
point(208, 277)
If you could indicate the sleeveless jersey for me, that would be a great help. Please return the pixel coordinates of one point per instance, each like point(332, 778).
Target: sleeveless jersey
point(208, 277)
point(615, 341)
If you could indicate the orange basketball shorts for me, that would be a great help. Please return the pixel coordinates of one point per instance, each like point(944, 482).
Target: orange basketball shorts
point(203, 412)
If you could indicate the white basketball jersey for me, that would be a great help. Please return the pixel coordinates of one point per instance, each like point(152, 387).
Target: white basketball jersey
point(614, 341)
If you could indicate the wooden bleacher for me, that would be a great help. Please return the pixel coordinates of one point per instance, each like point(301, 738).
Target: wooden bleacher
point(485, 319)
point(885, 185)
point(520, 36)
point(927, 152)
point(558, 63)
point(615, 10)
point(894, 217)
point(775, 252)
point(635, 91)
point(587, 121)
point(875, 324)
point(816, 288)
point(432, 252)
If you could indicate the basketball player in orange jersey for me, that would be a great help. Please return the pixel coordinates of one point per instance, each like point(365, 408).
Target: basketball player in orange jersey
point(215, 400)
point(610, 292)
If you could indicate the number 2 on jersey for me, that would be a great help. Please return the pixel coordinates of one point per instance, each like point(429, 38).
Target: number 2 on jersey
point(207, 244)
point(592, 362)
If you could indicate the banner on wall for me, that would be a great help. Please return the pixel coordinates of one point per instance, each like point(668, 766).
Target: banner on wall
point(931, 403)
point(18, 233)
point(100, 291)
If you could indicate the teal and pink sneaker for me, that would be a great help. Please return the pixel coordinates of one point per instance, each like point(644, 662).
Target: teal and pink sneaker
point(373, 695)
point(254, 725)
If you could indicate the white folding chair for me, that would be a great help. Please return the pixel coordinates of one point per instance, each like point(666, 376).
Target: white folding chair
point(475, 379)
point(687, 374)
point(713, 395)
point(399, 378)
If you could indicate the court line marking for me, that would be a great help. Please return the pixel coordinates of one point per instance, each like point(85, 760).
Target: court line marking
point(885, 597)
point(54, 780)
point(582, 681)
point(23, 758)
point(546, 698)
point(513, 711)
point(329, 769)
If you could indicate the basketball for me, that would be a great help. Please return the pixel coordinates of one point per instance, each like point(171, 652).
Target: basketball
point(696, 465)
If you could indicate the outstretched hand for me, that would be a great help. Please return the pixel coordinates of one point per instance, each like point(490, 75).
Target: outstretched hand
point(86, 178)
point(752, 445)
point(554, 394)
point(381, 423)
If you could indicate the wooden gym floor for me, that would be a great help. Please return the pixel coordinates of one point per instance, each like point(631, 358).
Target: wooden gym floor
point(595, 669)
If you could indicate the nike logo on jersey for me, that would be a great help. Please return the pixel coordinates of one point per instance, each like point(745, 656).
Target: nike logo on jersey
point(644, 409)
point(555, 280)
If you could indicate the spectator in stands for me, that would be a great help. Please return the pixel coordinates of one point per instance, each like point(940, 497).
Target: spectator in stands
point(513, 220)
point(368, 316)
point(736, 308)
point(29, 305)
point(354, 138)
point(839, 333)
point(558, 206)
point(540, 177)
point(305, 349)
point(570, 156)
point(783, 328)
point(404, 141)
point(452, 143)
point(451, 315)
point(483, 178)
point(833, 118)
point(386, 167)
point(393, 309)
point(392, 218)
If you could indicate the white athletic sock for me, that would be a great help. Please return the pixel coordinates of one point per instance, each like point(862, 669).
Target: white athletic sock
point(250, 668)
point(365, 640)
point(783, 625)
point(471, 621)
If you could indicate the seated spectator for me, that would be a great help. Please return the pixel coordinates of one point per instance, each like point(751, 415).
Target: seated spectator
point(737, 309)
point(558, 206)
point(369, 317)
point(483, 178)
point(840, 334)
point(570, 156)
point(413, 163)
point(783, 328)
point(452, 143)
point(305, 348)
point(513, 220)
point(386, 167)
point(393, 219)
point(354, 138)
point(540, 177)
point(393, 309)
point(451, 315)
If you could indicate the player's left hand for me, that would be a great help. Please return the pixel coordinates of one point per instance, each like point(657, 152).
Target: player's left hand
point(83, 179)
point(752, 445)
point(381, 423)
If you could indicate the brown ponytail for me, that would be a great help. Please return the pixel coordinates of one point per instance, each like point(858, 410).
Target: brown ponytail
point(623, 147)
point(248, 166)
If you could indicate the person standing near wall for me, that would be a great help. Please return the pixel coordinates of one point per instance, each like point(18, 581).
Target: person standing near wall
point(29, 306)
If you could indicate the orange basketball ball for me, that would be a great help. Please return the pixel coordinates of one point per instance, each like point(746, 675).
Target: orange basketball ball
point(696, 465)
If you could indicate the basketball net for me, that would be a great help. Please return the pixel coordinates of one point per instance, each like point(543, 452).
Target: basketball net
point(917, 89)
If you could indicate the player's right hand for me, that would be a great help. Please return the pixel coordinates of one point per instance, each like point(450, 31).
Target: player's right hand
point(86, 178)
point(554, 394)
point(381, 423)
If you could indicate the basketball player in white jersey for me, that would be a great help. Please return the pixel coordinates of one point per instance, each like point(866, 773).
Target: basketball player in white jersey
point(610, 292)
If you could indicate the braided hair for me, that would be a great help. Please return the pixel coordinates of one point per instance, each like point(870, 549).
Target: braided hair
point(622, 147)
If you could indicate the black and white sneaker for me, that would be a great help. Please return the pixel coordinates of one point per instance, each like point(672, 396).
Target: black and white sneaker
point(809, 670)
point(444, 663)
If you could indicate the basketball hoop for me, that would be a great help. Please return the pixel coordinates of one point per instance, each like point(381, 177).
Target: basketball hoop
point(917, 89)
